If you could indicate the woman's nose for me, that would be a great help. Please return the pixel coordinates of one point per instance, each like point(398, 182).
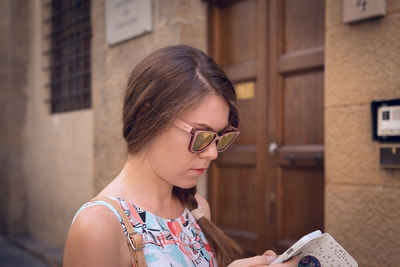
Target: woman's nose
point(211, 152)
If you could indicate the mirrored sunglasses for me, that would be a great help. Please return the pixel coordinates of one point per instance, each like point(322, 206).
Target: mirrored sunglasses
point(201, 139)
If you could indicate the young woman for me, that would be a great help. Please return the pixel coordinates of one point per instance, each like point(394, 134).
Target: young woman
point(178, 114)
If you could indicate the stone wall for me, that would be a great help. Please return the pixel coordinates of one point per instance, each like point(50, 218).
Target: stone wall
point(14, 54)
point(174, 22)
point(59, 150)
point(46, 159)
point(362, 62)
point(52, 163)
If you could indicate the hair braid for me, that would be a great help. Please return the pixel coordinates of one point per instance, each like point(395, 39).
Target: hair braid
point(225, 249)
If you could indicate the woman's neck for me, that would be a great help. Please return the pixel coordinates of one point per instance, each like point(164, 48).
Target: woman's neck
point(138, 184)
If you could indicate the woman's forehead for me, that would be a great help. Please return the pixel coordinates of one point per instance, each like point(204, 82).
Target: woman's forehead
point(212, 111)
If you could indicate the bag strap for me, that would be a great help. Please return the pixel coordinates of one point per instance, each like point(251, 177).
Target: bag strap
point(135, 241)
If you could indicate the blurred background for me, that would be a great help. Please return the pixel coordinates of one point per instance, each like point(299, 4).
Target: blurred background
point(305, 72)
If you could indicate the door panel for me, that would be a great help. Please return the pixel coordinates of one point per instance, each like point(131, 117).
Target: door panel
point(237, 23)
point(302, 24)
point(298, 171)
point(300, 202)
point(267, 199)
point(301, 106)
point(234, 180)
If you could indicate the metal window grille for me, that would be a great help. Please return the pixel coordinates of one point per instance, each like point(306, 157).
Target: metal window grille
point(69, 55)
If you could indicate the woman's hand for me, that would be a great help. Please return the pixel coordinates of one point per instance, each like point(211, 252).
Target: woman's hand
point(264, 260)
point(271, 256)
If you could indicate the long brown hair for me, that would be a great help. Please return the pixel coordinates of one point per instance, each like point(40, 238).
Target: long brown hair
point(167, 82)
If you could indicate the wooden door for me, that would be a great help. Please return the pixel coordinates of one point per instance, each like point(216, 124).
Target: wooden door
point(296, 113)
point(235, 182)
point(267, 190)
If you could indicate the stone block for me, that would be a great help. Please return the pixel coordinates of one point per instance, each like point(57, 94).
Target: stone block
point(123, 57)
point(98, 67)
point(97, 7)
point(5, 14)
point(357, 73)
point(109, 146)
point(109, 150)
point(365, 220)
point(107, 166)
point(12, 189)
point(4, 48)
point(17, 225)
point(6, 108)
point(194, 34)
point(334, 12)
point(392, 6)
point(163, 13)
point(64, 169)
point(192, 10)
point(108, 103)
point(98, 20)
point(351, 156)
point(167, 36)
point(167, 13)
point(4, 184)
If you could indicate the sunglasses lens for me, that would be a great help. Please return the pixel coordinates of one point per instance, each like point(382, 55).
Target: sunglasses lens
point(225, 141)
point(202, 140)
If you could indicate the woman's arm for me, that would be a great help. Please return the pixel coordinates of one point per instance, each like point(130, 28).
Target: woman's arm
point(96, 239)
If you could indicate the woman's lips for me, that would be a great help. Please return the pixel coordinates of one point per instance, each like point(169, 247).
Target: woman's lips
point(198, 171)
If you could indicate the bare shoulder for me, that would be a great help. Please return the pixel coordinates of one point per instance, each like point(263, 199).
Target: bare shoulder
point(204, 205)
point(96, 239)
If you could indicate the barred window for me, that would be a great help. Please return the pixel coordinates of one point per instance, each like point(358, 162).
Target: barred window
point(69, 54)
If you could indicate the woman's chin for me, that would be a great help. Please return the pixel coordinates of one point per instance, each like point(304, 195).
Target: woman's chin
point(188, 184)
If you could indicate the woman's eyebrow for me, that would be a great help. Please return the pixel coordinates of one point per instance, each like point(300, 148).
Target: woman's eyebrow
point(203, 126)
point(208, 127)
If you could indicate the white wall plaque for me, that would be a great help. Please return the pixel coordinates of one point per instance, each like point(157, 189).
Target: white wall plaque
point(356, 10)
point(126, 19)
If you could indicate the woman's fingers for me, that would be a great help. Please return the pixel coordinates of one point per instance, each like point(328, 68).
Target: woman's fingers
point(250, 262)
point(270, 256)
point(293, 262)
point(264, 260)
point(255, 261)
point(270, 252)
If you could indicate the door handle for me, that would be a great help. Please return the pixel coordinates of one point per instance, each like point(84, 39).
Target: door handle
point(273, 148)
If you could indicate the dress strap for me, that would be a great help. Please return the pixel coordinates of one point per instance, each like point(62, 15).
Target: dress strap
point(135, 241)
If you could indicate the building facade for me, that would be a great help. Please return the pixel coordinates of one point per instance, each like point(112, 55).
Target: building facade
point(325, 163)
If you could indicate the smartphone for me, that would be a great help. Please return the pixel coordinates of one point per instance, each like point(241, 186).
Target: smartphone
point(295, 248)
point(317, 249)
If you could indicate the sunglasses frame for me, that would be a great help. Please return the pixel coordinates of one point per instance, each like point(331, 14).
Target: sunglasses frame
point(195, 131)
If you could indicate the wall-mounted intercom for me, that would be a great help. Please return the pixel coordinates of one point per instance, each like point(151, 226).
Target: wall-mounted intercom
point(386, 130)
point(386, 120)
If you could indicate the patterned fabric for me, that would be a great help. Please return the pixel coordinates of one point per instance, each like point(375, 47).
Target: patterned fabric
point(177, 242)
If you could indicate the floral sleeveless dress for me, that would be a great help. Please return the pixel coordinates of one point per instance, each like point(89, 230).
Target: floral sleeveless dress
point(179, 242)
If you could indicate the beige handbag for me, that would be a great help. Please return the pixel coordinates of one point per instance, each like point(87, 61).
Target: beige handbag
point(135, 241)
